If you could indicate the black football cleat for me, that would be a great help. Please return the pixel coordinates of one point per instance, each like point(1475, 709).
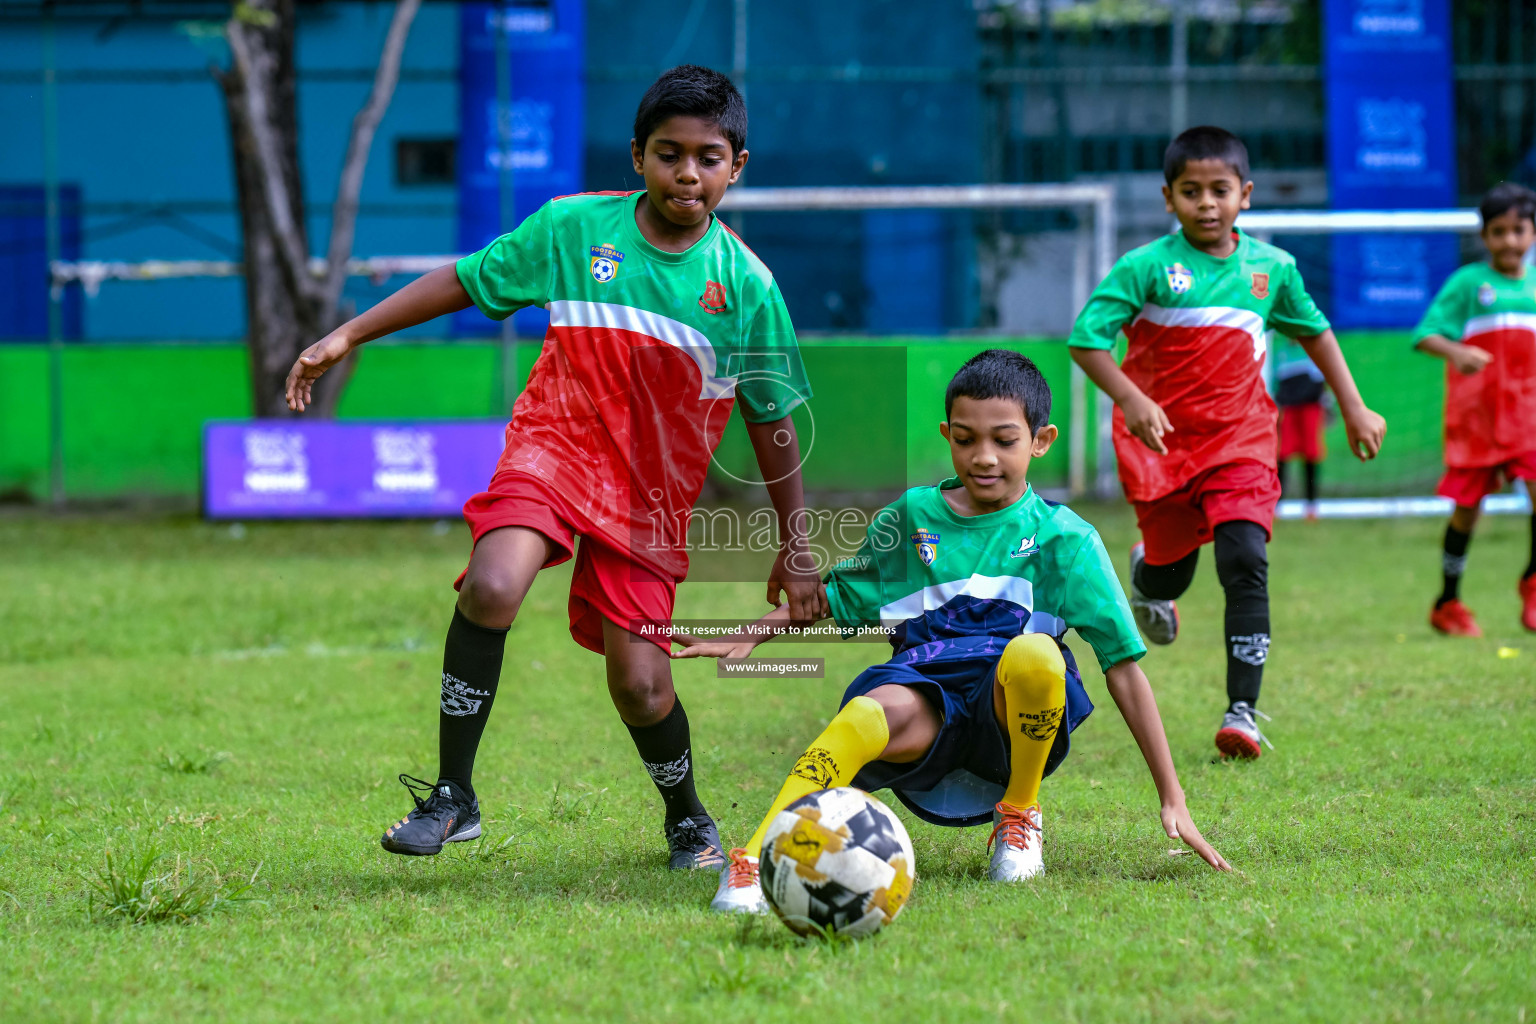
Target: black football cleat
point(694, 844)
point(447, 815)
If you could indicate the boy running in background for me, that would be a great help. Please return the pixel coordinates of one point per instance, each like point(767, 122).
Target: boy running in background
point(1483, 324)
point(980, 578)
point(655, 309)
point(1299, 394)
point(1194, 428)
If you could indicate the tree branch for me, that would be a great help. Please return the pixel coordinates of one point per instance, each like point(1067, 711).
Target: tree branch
point(350, 185)
point(266, 151)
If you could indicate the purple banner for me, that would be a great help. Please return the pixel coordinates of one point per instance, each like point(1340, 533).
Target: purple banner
point(278, 469)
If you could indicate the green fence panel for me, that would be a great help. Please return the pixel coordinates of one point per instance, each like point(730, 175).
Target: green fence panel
point(133, 413)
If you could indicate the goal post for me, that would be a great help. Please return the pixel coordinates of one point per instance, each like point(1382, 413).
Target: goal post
point(1265, 225)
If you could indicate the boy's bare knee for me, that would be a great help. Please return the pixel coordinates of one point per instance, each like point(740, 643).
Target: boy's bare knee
point(489, 598)
point(642, 698)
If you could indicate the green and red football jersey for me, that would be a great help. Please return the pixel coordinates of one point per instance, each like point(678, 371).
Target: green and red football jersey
point(1196, 327)
point(647, 353)
point(1490, 416)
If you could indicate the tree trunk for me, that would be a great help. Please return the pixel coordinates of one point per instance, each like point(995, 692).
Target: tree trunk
point(289, 307)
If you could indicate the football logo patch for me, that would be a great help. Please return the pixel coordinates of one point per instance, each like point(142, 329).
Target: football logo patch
point(713, 299)
point(1180, 279)
point(1260, 285)
point(927, 544)
point(1485, 294)
point(605, 263)
point(1026, 547)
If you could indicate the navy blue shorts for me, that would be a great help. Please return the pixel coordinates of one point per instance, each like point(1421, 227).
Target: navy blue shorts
point(966, 770)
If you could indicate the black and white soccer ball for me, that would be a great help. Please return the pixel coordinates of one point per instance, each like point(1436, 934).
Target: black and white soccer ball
point(837, 861)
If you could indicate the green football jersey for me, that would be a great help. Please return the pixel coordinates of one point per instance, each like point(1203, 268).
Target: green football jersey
point(954, 586)
point(1196, 327)
point(1490, 416)
point(647, 353)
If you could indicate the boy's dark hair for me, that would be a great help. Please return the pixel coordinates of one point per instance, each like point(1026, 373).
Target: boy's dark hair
point(1506, 196)
point(691, 91)
point(999, 373)
point(1206, 142)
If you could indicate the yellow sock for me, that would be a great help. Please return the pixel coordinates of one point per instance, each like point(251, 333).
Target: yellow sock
point(854, 738)
point(1033, 676)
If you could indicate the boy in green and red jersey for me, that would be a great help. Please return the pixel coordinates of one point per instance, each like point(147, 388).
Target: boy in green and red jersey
point(1194, 428)
point(660, 320)
point(1483, 324)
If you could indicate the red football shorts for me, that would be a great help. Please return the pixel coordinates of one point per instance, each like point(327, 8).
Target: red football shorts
point(605, 583)
point(1468, 487)
point(1301, 431)
point(1178, 523)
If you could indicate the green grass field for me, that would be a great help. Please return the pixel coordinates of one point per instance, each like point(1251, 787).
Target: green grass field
point(241, 700)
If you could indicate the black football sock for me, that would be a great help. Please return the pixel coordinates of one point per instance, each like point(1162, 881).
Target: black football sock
point(1242, 565)
point(1166, 582)
point(1530, 567)
point(1310, 481)
point(665, 752)
point(1453, 562)
point(471, 670)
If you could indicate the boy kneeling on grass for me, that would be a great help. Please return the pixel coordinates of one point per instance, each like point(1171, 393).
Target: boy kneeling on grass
point(980, 578)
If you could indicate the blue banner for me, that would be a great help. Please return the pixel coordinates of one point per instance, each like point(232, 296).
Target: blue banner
point(543, 158)
point(1391, 146)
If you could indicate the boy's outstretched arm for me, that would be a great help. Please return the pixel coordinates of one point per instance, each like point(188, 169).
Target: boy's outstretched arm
point(1364, 428)
point(1133, 696)
point(739, 644)
point(1144, 418)
point(777, 448)
point(425, 298)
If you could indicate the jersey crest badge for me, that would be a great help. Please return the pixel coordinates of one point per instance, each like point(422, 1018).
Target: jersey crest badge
point(1485, 294)
point(605, 263)
point(1026, 547)
point(1179, 278)
point(713, 299)
point(1260, 285)
point(927, 543)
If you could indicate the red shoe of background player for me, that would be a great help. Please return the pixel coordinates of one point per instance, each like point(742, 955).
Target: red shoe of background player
point(1454, 619)
point(1528, 603)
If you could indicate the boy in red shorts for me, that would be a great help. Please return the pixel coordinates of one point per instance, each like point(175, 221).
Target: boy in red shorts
point(660, 320)
point(1483, 324)
point(1194, 427)
point(1299, 394)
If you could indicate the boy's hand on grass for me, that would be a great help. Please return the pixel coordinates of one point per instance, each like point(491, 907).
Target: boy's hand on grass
point(312, 363)
point(734, 648)
point(1146, 420)
point(1468, 359)
point(1365, 430)
point(1179, 825)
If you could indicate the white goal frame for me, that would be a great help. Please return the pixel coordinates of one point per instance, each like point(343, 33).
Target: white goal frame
point(1264, 225)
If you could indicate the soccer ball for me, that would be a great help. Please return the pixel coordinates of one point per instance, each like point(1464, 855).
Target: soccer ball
point(837, 860)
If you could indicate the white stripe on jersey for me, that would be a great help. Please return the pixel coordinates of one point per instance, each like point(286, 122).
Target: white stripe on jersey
point(692, 343)
point(1013, 589)
point(1490, 322)
point(1245, 320)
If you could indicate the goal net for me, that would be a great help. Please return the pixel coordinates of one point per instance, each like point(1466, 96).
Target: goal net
point(934, 273)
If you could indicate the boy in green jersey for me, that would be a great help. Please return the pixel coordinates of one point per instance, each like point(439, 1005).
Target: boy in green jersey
point(1194, 427)
point(1483, 324)
point(978, 579)
point(661, 320)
